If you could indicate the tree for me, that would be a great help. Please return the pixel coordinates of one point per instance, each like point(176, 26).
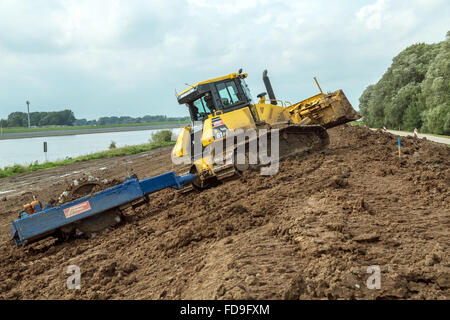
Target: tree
point(20, 119)
point(80, 122)
point(436, 85)
point(67, 117)
point(17, 119)
point(417, 83)
point(437, 120)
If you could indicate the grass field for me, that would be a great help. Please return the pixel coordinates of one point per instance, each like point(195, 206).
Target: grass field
point(22, 129)
point(127, 150)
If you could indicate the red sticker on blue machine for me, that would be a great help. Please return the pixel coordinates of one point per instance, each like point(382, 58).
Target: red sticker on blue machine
point(77, 209)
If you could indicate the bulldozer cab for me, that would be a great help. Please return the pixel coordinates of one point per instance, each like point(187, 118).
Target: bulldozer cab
point(223, 94)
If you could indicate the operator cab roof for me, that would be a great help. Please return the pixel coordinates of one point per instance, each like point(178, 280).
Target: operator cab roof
point(202, 87)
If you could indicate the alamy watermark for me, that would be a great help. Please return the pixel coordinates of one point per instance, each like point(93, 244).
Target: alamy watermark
point(374, 280)
point(74, 280)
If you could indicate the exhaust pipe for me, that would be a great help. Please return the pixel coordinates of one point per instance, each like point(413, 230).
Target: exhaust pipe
point(269, 87)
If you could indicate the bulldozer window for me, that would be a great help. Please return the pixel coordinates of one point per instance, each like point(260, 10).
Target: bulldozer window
point(228, 93)
point(246, 90)
point(200, 109)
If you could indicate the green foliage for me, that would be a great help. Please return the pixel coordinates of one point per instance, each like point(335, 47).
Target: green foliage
point(412, 118)
point(144, 119)
point(17, 119)
point(437, 120)
point(67, 118)
point(414, 92)
point(62, 118)
point(161, 136)
point(112, 145)
point(128, 150)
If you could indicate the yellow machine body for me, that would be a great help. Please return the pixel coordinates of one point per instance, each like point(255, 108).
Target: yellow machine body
point(326, 110)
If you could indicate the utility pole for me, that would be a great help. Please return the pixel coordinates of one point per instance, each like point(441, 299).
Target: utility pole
point(28, 107)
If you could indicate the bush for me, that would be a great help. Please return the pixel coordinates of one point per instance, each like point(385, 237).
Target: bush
point(112, 145)
point(161, 136)
point(437, 120)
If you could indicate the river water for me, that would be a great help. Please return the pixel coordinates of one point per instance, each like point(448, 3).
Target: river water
point(28, 150)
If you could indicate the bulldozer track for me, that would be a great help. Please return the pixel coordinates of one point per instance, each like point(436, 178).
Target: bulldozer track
point(294, 140)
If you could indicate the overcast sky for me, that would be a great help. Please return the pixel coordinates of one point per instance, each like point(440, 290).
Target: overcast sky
point(104, 58)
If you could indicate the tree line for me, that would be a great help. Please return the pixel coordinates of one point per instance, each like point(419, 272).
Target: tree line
point(20, 119)
point(130, 120)
point(67, 118)
point(414, 92)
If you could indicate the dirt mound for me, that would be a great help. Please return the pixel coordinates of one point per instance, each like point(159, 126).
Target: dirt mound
point(313, 231)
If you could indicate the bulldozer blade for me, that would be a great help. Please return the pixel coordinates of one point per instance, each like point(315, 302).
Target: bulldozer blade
point(342, 111)
point(328, 110)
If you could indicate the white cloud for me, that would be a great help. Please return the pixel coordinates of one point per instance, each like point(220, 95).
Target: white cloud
point(373, 15)
point(89, 23)
point(99, 56)
point(225, 7)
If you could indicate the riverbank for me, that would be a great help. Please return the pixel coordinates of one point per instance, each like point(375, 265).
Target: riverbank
point(128, 150)
point(20, 133)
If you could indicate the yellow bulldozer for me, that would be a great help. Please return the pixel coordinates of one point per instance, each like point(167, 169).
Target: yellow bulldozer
point(228, 135)
point(222, 110)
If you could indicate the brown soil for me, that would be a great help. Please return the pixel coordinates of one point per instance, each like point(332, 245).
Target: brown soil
point(310, 232)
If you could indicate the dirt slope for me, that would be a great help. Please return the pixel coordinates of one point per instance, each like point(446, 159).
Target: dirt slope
point(309, 232)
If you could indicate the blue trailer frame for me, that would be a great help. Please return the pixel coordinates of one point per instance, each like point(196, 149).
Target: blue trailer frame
point(45, 222)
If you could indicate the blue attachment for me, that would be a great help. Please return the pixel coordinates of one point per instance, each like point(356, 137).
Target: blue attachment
point(165, 180)
point(399, 144)
point(46, 222)
point(37, 207)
